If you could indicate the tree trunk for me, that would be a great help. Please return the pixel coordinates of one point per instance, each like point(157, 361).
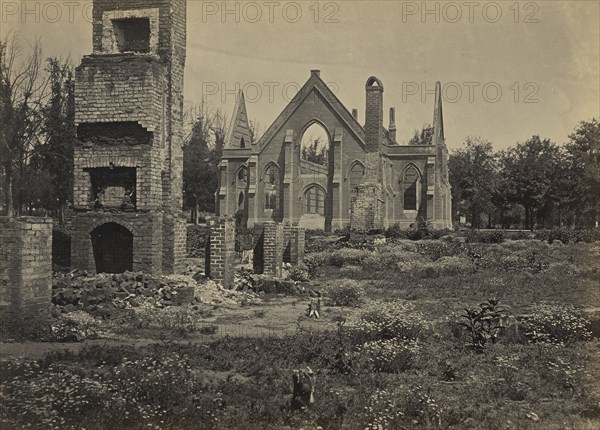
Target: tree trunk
point(8, 198)
point(196, 211)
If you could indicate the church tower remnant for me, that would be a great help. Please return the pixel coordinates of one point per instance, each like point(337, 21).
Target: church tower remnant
point(127, 185)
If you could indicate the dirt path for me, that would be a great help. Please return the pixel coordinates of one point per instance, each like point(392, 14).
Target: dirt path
point(276, 318)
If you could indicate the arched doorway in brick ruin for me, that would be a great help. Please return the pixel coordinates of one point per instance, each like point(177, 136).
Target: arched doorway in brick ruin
point(113, 248)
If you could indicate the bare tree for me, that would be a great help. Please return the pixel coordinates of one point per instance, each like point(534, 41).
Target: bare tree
point(23, 90)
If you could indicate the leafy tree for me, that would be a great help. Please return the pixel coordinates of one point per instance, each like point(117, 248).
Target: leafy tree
point(423, 137)
point(315, 152)
point(474, 178)
point(583, 154)
point(201, 157)
point(55, 155)
point(532, 174)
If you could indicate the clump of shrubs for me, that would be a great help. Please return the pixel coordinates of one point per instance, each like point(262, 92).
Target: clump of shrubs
point(566, 235)
point(387, 336)
point(557, 324)
point(196, 240)
point(345, 292)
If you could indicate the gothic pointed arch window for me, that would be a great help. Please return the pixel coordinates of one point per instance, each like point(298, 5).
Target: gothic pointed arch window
point(272, 181)
point(411, 184)
point(242, 175)
point(355, 176)
point(314, 146)
point(314, 198)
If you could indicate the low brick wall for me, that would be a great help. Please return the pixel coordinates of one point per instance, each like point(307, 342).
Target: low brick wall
point(25, 272)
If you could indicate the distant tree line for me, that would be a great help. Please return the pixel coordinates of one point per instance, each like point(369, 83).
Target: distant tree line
point(535, 184)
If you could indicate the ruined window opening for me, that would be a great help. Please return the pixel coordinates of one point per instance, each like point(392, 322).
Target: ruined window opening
point(315, 200)
point(132, 34)
point(113, 188)
point(411, 185)
point(356, 176)
point(272, 187)
point(242, 175)
point(114, 133)
point(314, 146)
point(241, 201)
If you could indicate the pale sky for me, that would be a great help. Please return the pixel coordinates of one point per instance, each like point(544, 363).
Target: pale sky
point(544, 52)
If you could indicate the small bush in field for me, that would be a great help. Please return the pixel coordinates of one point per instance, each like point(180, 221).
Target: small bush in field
point(482, 324)
point(345, 292)
point(386, 321)
point(181, 320)
point(557, 324)
point(299, 273)
point(390, 356)
point(343, 256)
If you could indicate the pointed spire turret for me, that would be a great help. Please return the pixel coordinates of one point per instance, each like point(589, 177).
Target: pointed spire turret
point(238, 135)
point(438, 117)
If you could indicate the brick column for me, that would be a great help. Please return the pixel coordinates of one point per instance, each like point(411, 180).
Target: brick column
point(298, 240)
point(25, 272)
point(220, 255)
point(273, 249)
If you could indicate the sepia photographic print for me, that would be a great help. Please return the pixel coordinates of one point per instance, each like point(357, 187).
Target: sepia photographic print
point(299, 215)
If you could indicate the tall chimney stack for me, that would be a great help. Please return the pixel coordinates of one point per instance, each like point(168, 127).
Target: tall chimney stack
point(374, 114)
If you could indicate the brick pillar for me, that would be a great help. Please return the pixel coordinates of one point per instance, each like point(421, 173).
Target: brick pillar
point(25, 272)
point(273, 249)
point(298, 240)
point(220, 255)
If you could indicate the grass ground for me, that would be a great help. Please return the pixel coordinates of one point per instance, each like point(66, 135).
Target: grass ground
point(396, 358)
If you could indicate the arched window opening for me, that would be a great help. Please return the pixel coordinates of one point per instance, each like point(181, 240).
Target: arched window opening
point(241, 201)
point(272, 183)
point(315, 145)
point(242, 143)
point(315, 200)
point(411, 184)
point(356, 176)
point(242, 175)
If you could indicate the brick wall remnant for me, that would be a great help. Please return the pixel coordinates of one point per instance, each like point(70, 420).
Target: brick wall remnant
point(220, 251)
point(273, 249)
point(293, 244)
point(25, 272)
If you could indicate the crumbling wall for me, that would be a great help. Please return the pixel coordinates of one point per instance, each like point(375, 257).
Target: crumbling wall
point(220, 251)
point(25, 272)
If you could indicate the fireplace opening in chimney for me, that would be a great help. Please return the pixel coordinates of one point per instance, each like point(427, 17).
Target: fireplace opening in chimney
point(113, 248)
point(113, 133)
point(113, 188)
point(132, 34)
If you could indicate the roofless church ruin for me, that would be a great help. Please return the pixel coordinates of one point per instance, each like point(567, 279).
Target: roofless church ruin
point(128, 157)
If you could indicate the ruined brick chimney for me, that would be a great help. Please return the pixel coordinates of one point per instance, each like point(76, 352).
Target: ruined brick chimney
point(374, 114)
point(128, 160)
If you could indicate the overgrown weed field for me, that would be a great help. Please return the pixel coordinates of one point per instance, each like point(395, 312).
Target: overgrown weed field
point(432, 334)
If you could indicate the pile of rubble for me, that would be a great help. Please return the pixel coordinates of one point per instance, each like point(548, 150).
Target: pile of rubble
point(100, 295)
